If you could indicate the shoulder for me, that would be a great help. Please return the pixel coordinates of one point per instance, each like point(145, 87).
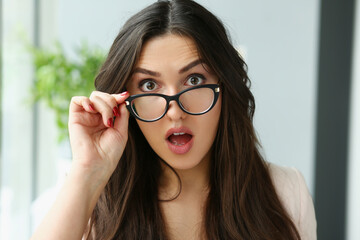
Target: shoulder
point(295, 197)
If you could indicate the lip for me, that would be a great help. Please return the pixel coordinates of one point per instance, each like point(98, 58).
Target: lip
point(179, 149)
point(177, 130)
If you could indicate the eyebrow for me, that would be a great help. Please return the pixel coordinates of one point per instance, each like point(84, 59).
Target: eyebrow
point(191, 65)
point(157, 74)
point(148, 72)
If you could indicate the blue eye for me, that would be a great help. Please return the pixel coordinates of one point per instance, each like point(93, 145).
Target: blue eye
point(195, 80)
point(148, 85)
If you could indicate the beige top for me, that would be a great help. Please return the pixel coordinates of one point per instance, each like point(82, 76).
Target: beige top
point(294, 194)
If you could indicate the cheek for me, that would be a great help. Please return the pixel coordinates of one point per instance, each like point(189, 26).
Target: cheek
point(210, 123)
point(215, 113)
point(151, 131)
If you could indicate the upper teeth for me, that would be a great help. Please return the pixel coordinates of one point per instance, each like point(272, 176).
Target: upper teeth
point(181, 133)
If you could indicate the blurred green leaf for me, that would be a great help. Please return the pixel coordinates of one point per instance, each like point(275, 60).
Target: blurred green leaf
point(58, 78)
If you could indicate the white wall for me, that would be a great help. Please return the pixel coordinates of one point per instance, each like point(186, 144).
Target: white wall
point(280, 38)
point(16, 129)
point(353, 207)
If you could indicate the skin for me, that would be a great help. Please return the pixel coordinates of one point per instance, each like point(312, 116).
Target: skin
point(97, 144)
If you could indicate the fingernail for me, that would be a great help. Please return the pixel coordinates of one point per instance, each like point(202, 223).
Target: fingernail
point(123, 93)
point(110, 122)
point(91, 107)
point(116, 112)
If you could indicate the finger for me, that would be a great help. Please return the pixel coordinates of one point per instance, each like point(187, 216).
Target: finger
point(120, 98)
point(81, 103)
point(108, 98)
point(106, 106)
point(121, 123)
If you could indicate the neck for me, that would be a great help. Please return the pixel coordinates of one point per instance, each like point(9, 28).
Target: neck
point(193, 181)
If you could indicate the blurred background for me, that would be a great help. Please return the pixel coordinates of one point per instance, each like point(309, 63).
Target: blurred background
point(304, 62)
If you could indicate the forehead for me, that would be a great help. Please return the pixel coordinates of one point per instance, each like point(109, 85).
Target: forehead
point(168, 50)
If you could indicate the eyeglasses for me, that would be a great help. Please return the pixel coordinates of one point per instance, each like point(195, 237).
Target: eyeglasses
point(150, 107)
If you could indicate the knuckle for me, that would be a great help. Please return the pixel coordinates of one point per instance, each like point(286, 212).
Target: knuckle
point(95, 93)
point(94, 97)
point(75, 99)
point(92, 94)
point(113, 101)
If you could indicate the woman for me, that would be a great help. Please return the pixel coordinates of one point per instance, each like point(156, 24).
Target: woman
point(186, 163)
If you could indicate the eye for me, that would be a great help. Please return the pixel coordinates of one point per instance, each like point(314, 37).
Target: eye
point(148, 85)
point(195, 80)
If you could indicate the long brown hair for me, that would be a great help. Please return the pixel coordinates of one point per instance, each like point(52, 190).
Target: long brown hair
point(242, 202)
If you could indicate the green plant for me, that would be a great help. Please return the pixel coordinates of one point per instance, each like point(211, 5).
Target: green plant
point(59, 78)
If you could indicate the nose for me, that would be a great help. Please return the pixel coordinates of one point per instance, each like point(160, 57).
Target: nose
point(175, 112)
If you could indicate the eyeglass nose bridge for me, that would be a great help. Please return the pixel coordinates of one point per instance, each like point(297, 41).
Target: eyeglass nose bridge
point(175, 98)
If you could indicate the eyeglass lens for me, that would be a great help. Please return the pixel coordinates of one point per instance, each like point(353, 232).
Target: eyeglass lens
point(194, 101)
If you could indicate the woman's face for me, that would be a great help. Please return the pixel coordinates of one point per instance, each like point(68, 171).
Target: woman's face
point(169, 64)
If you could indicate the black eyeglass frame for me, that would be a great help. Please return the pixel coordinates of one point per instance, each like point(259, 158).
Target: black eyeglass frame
point(176, 97)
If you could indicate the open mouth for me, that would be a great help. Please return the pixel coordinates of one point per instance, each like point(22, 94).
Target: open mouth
point(179, 139)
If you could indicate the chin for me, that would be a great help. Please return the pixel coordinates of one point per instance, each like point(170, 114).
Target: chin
point(182, 166)
point(187, 161)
